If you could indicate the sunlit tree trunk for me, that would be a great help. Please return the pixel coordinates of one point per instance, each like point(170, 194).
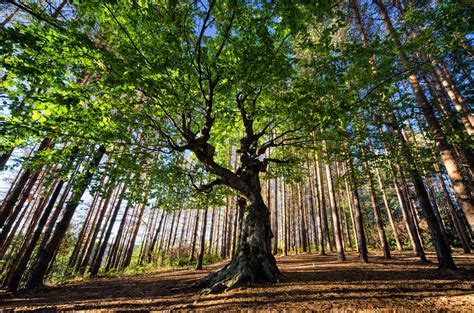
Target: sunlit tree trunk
point(203, 241)
point(444, 147)
point(358, 220)
point(335, 216)
point(45, 256)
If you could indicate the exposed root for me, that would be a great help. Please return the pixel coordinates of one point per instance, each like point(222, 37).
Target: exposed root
point(243, 271)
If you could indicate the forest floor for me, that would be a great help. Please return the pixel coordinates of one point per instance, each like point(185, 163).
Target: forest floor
point(311, 282)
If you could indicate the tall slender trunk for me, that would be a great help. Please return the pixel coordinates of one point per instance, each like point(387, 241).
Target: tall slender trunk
point(133, 238)
point(275, 219)
point(211, 235)
point(442, 250)
point(445, 149)
point(389, 211)
point(203, 241)
point(101, 251)
point(113, 253)
point(194, 238)
point(44, 257)
point(14, 280)
point(303, 228)
point(335, 216)
point(463, 238)
point(22, 190)
point(358, 220)
point(322, 204)
point(285, 218)
point(312, 211)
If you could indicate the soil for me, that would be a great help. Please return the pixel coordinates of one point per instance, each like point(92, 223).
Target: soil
point(311, 282)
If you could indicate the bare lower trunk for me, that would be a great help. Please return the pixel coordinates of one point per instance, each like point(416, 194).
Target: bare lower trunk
point(335, 216)
point(254, 261)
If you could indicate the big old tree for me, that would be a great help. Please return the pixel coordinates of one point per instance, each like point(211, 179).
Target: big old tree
point(181, 77)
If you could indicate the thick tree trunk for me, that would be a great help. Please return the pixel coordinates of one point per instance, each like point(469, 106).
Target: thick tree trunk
point(254, 261)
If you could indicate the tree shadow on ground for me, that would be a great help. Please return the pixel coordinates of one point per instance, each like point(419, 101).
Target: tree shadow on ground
point(309, 280)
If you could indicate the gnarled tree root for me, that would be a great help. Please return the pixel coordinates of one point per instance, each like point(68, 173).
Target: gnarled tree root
point(242, 271)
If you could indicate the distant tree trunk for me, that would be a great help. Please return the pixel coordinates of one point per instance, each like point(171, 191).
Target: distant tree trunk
point(304, 232)
point(83, 263)
point(113, 253)
point(436, 211)
point(98, 260)
point(350, 201)
point(163, 233)
point(218, 234)
point(193, 240)
point(358, 221)
point(319, 218)
point(377, 214)
point(234, 232)
point(44, 257)
point(343, 211)
point(203, 241)
point(389, 212)
point(224, 228)
point(285, 218)
point(335, 216)
point(80, 238)
point(313, 213)
point(275, 220)
point(211, 235)
point(230, 230)
point(322, 205)
point(131, 246)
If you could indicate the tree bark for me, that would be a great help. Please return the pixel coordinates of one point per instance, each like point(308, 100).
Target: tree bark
point(444, 147)
point(203, 241)
point(335, 216)
point(45, 256)
point(358, 220)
